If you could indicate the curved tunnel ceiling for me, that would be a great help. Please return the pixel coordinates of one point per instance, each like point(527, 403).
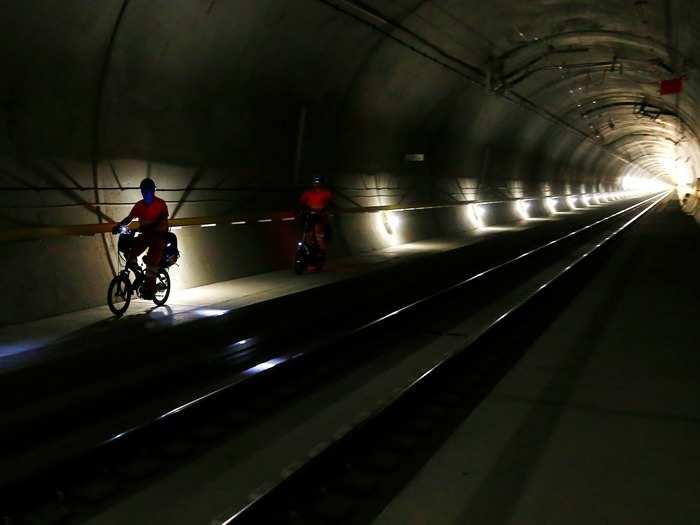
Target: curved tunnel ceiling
point(204, 81)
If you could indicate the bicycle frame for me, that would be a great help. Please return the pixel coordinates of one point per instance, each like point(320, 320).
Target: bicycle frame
point(136, 268)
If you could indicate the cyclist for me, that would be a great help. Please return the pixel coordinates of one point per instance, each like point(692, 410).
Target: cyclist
point(152, 214)
point(315, 201)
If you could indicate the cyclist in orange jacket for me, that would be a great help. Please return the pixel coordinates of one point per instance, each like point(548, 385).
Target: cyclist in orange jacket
point(152, 214)
point(316, 201)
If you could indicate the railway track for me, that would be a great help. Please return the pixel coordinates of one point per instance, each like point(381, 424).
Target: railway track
point(342, 471)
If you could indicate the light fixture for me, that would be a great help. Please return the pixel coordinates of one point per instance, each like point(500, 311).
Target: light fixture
point(571, 201)
point(475, 215)
point(390, 222)
point(551, 204)
point(522, 208)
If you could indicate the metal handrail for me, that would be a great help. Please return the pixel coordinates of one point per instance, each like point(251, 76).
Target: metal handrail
point(251, 217)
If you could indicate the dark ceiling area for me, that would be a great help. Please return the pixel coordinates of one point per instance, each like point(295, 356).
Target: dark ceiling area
point(566, 90)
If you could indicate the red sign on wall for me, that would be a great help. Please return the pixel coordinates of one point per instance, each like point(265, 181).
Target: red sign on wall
point(671, 86)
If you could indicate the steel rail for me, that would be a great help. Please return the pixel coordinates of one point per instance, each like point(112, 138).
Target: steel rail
point(282, 360)
point(286, 358)
point(292, 473)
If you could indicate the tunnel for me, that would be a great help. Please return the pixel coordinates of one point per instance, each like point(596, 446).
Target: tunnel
point(497, 170)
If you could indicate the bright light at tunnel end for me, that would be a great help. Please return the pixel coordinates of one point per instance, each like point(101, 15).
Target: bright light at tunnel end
point(644, 184)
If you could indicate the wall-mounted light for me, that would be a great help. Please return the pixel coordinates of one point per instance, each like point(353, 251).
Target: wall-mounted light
point(522, 208)
point(475, 214)
point(390, 221)
point(551, 204)
point(586, 200)
point(571, 201)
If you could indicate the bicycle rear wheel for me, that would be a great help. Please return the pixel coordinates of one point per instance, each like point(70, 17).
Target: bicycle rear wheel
point(162, 288)
point(119, 295)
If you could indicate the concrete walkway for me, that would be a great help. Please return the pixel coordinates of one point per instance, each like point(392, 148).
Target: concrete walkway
point(21, 344)
point(600, 421)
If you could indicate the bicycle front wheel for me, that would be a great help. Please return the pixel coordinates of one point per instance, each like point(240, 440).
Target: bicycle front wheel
point(119, 295)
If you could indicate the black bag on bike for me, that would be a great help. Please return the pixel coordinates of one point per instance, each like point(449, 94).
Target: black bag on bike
point(125, 242)
point(170, 253)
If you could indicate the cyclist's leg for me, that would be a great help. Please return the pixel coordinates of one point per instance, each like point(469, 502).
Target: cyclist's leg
point(137, 248)
point(320, 229)
point(156, 245)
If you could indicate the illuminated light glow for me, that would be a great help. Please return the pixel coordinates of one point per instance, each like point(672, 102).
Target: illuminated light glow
point(387, 227)
point(264, 220)
point(586, 200)
point(475, 215)
point(633, 184)
point(288, 218)
point(210, 312)
point(677, 171)
point(551, 204)
point(390, 221)
point(210, 225)
point(18, 347)
point(238, 222)
point(571, 201)
point(265, 365)
point(522, 208)
point(176, 228)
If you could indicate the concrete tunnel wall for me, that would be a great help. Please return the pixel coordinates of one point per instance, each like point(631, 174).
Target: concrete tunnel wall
point(206, 98)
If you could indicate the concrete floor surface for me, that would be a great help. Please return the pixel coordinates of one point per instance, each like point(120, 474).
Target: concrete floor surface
point(600, 421)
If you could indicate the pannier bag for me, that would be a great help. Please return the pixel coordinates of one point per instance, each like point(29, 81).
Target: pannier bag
point(125, 242)
point(170, 253)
